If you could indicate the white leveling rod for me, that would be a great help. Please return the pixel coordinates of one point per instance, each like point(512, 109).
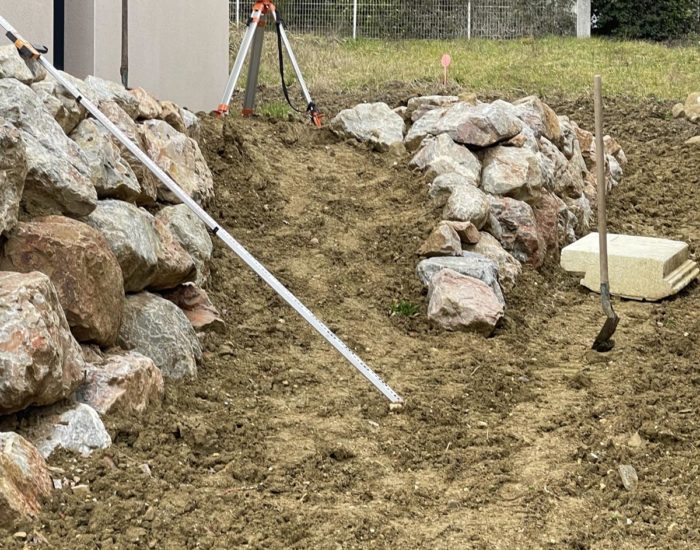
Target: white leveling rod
point(28, 51)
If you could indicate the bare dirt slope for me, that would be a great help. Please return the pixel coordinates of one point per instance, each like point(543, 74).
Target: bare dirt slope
point(511, 442)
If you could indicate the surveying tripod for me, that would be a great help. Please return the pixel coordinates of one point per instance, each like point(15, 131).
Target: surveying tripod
point(253, 38)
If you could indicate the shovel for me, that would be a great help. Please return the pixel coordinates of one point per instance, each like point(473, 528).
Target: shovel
point(604, 341)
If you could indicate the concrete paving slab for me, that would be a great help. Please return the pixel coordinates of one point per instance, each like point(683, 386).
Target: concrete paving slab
point(641, 268)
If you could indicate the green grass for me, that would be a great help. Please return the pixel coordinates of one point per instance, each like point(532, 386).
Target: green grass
point(546, 66)
point(404, 308)
point(275, 109)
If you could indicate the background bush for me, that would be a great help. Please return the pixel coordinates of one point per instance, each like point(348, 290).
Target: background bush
point(645, 19)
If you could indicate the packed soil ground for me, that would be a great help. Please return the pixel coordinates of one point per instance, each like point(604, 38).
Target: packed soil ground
point(509, 442)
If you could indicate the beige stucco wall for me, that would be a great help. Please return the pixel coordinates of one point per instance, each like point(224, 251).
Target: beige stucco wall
point(178, 49)
point(33, 19)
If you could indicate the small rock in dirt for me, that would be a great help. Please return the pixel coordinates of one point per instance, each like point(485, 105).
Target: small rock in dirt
point(693, 141)
point(629, 477)
point(74, 427)
point(197, 306)
point(635, 441)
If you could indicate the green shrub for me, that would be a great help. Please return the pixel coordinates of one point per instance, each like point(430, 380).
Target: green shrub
point(645, 19)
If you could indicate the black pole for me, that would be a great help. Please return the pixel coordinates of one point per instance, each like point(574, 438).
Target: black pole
point(59, 33)
point(124, 70)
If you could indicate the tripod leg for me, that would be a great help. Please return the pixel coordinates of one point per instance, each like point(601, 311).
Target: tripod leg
point(310, 105)
point(253, 71)
point(238, 64)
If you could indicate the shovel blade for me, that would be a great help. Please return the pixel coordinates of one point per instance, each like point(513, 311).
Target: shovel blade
point(603, 341)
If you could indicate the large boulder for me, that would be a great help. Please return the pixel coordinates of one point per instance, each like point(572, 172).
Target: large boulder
point(465, 203)
point(424, 127)
point(441, 155)
point(118, 117)
point(509, 269)
point(73, 427)
point(158, 329)
point(419, 106)
point(192, 234)
point(555, 223)
point(513, 172)
point(40, 361)
point(175, 266)
point(124, 383)
point(567, 174)
point(58, 177)
point(148, 106)
point(539, 117)
point(171, 113)
point(181, 158)
point(132, 237)
point(82, 268)
point(13, 170)
point(470, 264)
point(24, 480)
point(519, 230)
point(111, 174)
point(479, 125)
point(64, 108)
point(374, 123)
point(99, 90)
point(13, 66)
point(443, 241)
point(459, 302)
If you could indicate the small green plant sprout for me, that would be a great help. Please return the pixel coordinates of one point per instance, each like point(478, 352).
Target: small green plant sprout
point(275, 109)
point(404, 308)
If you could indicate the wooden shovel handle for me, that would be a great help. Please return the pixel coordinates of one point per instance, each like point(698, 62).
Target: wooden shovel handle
point(602, 184)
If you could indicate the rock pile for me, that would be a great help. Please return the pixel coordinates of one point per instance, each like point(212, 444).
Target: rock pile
point(515, 181)
point(88, 242)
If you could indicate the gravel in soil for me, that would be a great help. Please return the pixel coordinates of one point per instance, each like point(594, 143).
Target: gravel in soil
point(510, 442)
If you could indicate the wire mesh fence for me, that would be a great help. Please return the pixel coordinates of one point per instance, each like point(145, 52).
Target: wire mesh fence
point(418, 19)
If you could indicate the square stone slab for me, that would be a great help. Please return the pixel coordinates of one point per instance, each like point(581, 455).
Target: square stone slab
point(641, 268)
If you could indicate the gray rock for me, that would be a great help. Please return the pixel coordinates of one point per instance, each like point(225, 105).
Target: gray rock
point(513, 172)
point(40, 361)
point(465, 203)
point(459, 302)
point(181, 158)
point(418, 106)
point(99, 90)
point(441, 155)
point(479, 125)
point(112, 176)
point(192, 124)
point(424, 127)
point(148, 182)
point(374, 123)
point(158, 329)
point(443, 241)
point(509, 269)
point(132, 237)
point(13, 66)
point(60, 103)
point(192, 234)
point(58, 177)
point(525, 139)
point(567, 175)
point(13, 170)
point(470, 264)
point(629, 477)
point(540, 117)
point(76, 428)
point(520, 231)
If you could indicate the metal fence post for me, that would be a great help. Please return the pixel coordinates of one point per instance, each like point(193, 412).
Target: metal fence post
point(354, 19)
point(469, 20)
point(583, 18)
point(238, 12)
